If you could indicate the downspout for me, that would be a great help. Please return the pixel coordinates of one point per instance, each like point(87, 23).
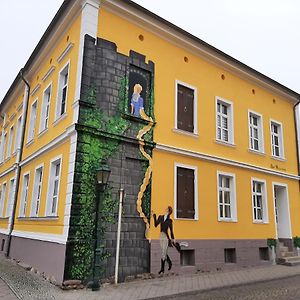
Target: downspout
point(297, 129)
point(18, 160)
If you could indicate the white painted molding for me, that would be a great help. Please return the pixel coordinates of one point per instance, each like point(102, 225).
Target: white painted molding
point(54, 238)
point(222, 160)
point(65, 52)
point(48, 73)
point(12, 168)
point(37, 87)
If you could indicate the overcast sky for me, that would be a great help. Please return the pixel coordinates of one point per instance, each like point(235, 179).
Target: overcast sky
point(264, 34)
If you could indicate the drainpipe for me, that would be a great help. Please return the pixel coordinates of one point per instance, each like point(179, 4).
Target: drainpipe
point(297, 128)
point(18, 160)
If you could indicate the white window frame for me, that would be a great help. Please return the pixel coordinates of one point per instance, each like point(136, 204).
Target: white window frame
point(2, 199)
point(261, 146)
point(265, 212)
point(32, 121)
point(233, 199)
point(49, 203)
point(11, 193)
point(18, 134)
point(58, 113)
point(195, 169)
point(23, 203)
point(10, 141)
point(281, 141)
point(195, 117)
point(3, 146)
point(230, 110)
point(44, 107)
point(35, 201)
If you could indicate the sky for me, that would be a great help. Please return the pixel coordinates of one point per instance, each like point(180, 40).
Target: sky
point(263, 34)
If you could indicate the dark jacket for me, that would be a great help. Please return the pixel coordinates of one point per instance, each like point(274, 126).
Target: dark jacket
point(164, 225)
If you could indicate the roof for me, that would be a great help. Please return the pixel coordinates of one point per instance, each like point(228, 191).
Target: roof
point(67, 3)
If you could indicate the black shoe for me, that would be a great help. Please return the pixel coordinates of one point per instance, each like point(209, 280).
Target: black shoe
point(169, 262)
point(162, 266)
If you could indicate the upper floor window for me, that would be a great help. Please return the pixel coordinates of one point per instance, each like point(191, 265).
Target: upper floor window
point(10, 141)
point(186, 192)
point(32, 121)
point(277, 139)
point(18, 134)
point(24, 195)
point(53, 192)
point(10, 197)
point(45, 109)
point(226, 197)
point(255, 132)
point(3, 147)
point(2, 199)
point(224, 119)
point(186, 108)
point(259, 201)
point(62, 91)
point(37, 190)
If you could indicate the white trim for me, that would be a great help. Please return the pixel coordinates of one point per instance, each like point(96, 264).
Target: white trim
point(4, 231)
point(261, 143)
point(12, 116)
point(230, 110)
point(37, 87)
point(187, 133)
point(20, 106)
point(233, 199)
point(274, 183)
point(54, 238)
point(10, 201)
point(32, 123)
point(48, 73)
point(265, 211)
point(33, 196)
point(10, 142)
point(8, 171)
point(65, 52)
point(21, 193)
point(196, 199)
point(49, 86)
point(195, 120)
point(223, 160)
point(281, 140)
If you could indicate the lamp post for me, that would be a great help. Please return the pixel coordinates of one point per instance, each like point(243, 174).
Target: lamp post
point(102, 174)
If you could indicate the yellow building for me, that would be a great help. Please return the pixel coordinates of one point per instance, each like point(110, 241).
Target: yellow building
point(215, 138)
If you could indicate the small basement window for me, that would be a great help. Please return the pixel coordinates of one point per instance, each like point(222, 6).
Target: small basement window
point(264, 253)
point(187, 257)
point(230, 255)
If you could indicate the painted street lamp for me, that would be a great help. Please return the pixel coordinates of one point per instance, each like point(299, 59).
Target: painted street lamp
point(102, 174)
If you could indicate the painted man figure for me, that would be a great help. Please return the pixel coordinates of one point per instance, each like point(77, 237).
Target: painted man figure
point(166, 224)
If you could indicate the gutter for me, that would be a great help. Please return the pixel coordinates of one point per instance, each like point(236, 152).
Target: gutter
point(19, 159)
point(297, 136)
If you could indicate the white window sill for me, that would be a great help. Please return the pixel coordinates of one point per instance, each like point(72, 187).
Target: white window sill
point(228, 144)
point(260, 222)
point(62, 117)
point(227, 220)
point(191, 134)
point(14, 153)
point(47, 218)
point(278, 158)
point(257, 152)
point(4, 218)
point(185, 219)
point(7, 159)
point(29, 143)
point(42, 132)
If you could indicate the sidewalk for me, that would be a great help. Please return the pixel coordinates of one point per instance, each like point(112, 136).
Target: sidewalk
point(30, 286)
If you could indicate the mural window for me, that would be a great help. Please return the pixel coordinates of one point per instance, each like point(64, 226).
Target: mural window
point(255, 132)
point(186, 102)
point(224, 117)
point(226, 197)
point(53, 192)
point(45, 109)
point(277, 139)
point(18, 134)
point(259, 202)
point(61, 103)
point(10, 141)
point(10, 197)
point(186, 193)
point(37, 190)
point(24, 195)
point(2, 198)
point(32, 121)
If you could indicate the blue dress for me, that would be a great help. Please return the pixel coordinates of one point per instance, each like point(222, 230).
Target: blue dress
point(137, 105)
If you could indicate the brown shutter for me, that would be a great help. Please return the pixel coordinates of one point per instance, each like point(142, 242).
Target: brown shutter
point(185, 108)
point(185, 193)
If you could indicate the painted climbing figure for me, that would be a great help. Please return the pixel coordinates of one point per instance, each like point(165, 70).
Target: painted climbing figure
point(166, 224)
point(137, 102)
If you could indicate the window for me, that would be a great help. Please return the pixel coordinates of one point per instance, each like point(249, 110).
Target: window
point(226, 197)
point(277, 139)
point(186, 192)
point(37, 190)
point(18, 134)
point(259, 202)
point(10, 197)
point(186, 108)
point(2, 198)
point(53, 192)
point(3, 147)
point(32, 121)
point(224, 121)
point(230, 255)
point(255, 132)
point(24, 196)
point(10, 140)
point(62, 92)
point(45, 109)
